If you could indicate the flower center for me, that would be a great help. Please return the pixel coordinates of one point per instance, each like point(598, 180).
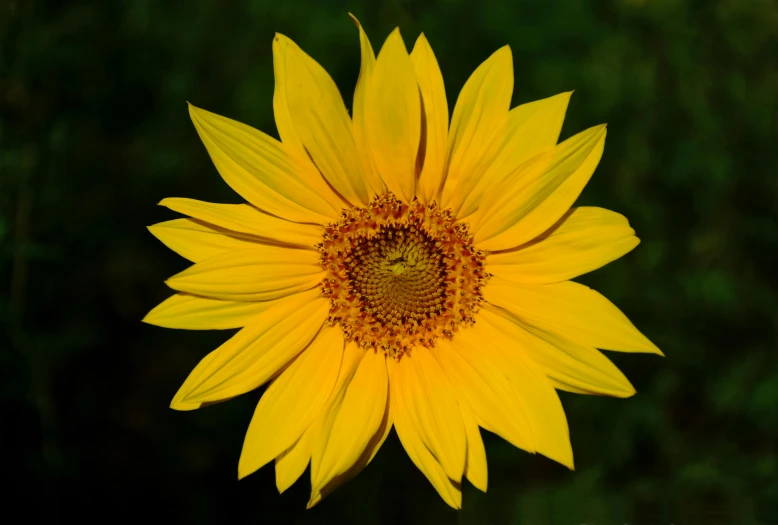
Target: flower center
point(400, 275)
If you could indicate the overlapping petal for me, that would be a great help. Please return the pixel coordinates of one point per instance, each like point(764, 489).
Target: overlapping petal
point(197, 240)
point(583, 240)
point(191, 312)
point(393, 118)
point(475, 467)
point(259, 168)
point(435, 132)
point(425, 400)
point(244, 219)
point(256, 353)
point(484, 387)
point(255, 274)
point(530, 389)
point(569, 365)
point(477, 126)
point(530, 129)
point(355, 426)
point(572, 311)
point(359, 114)
point(291, 463)
point(418, 451)
point(539, 193)
point(293, 401)
point(313, 121)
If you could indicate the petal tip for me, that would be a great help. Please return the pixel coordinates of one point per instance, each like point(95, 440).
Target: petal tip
point(181, 405)
point(505, 51)
point(315, 499)
point(244, 469)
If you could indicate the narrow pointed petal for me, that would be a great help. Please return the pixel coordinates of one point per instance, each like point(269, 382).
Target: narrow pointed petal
point(569, 365)
point(433, 94)
point(410, 437)
point(537, 396)
point(583, 240)
point(256, 274)
point(393, 118)
point(260, 170)
point(241, 218)
point(356, 421)
point(315, 118)
point(477, 123)
point(359, 115)
point(427, 400)
point(475, 468)
point(256, 353)
point(291, 463)
point(293, 401)
point(190, 312)
point(196, 240)
point(321, 428)
point(571, 310)
point(485, 389)
point(530, 129)
point(534, 199)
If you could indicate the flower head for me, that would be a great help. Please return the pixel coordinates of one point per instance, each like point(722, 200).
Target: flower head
point(393, 270)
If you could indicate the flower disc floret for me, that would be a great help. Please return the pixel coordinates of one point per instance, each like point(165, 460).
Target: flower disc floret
point(400, 274)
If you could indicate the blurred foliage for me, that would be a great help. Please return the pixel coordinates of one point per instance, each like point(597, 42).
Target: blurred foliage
point(95, 131)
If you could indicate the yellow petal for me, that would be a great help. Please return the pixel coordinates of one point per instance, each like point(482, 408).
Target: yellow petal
point(196, 240)
point(482, 385)
point(358, 113)
point(422, 393)
point(475, 468)
point(319, 430)
point(292, 402)
point(256, 274)
point(393, 118)
point(572, 311)
point(583, 240)
point(241, 218)
point(356, 420)
point(530, 129)
point(408, 432)
point(476, 125)
point(537, 396)
point(378, 440)
point(433, 94)
point(318, 119)
point(256, 353)
point(291, 463)
point(260, 170)
point(569, 365)
point(191, 312)
point(534, 199)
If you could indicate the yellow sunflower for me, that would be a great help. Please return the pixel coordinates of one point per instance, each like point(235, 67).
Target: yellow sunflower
point(395, 269)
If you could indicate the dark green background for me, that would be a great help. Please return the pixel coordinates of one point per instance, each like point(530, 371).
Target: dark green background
point(95, 132)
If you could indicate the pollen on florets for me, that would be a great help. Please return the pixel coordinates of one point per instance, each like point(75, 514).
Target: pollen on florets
point(400, 275)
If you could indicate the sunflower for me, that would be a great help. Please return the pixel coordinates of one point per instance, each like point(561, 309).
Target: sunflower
point(394, 269)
